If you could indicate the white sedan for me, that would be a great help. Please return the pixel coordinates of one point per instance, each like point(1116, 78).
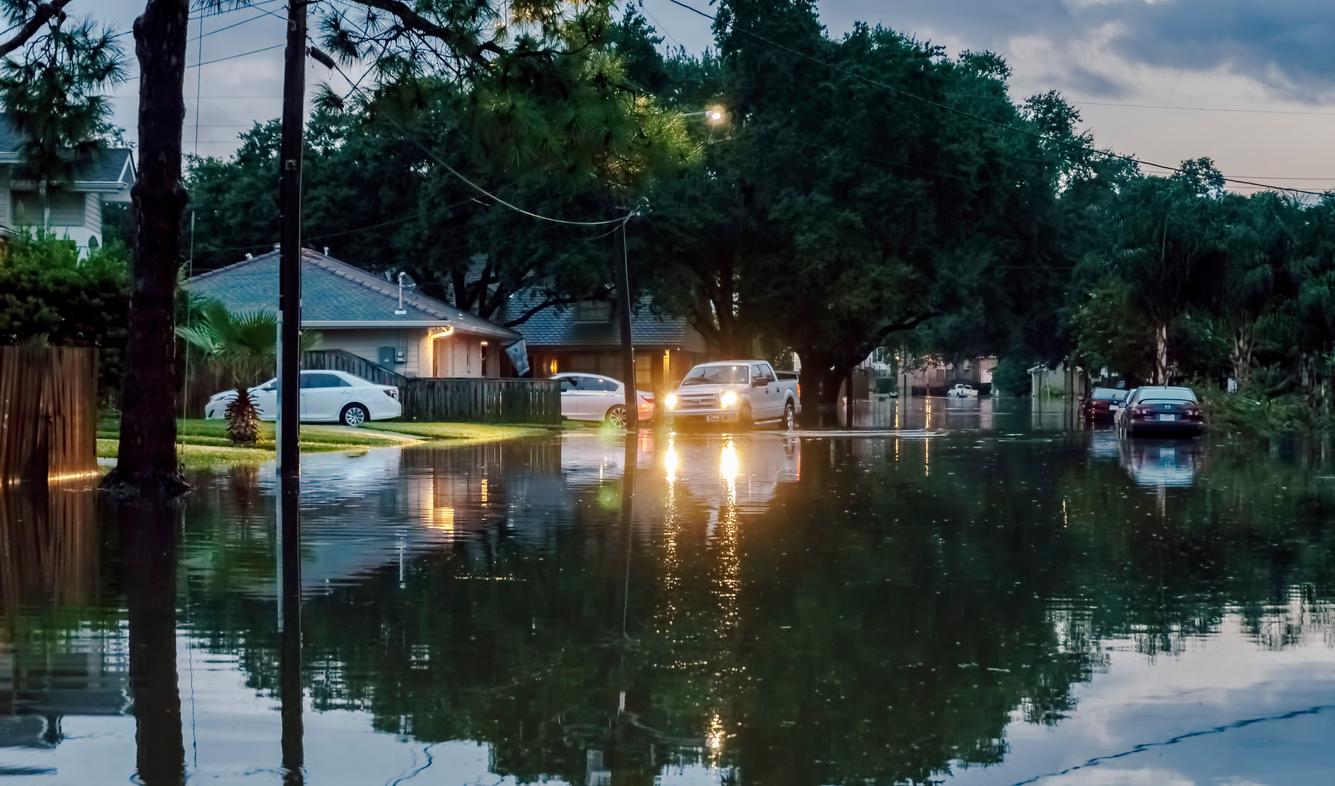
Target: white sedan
point(595, 397)
point(326, 397)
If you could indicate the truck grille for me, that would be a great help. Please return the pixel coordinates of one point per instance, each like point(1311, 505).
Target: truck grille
point(697, 401)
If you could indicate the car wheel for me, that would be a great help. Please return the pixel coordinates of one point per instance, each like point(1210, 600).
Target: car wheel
point(617, 416)
point(789, 416)
point(353, 415)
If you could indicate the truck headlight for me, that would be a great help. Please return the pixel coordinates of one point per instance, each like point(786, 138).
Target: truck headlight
point(670, 401)
point(728, 400)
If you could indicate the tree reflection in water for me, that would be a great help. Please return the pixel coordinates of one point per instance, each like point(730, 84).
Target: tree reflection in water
point(786, 611)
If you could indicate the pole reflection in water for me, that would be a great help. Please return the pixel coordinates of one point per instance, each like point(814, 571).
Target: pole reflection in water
point(150, 532)
point(289, 623)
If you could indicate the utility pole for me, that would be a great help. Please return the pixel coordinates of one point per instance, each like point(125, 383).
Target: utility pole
point(622, 268)
point(289, 390)
point(289, 237)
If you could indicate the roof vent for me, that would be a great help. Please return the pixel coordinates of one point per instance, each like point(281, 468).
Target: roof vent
point(276, 246)
point(326, 250)
point(249, 255)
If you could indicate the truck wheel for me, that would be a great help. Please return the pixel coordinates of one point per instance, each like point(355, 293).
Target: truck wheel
point(744, 417)
point(789, 416)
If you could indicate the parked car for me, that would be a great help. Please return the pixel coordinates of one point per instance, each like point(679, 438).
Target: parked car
point(1161, 409)
point(595, 397)
point(1101, 404)
point(962, 390)
point(326, 397)
point(736, 391)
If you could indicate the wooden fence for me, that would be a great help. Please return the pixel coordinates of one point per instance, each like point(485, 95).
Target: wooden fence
point(482, 400)
point(48, 412)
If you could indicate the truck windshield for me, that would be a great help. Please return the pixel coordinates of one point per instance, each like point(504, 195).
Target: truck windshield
point(716, 375)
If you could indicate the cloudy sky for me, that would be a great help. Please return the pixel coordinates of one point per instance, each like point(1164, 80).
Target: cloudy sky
point(1250, 83)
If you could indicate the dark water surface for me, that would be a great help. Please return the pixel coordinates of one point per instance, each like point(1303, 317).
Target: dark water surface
point(989, 597)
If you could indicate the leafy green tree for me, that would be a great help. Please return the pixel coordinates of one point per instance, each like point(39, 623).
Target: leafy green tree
point(47, 290)
point(1110, 333)
point(54, 96)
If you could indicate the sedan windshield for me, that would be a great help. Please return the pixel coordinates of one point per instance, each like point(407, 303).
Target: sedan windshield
point(1108, 394)
point(716, 375)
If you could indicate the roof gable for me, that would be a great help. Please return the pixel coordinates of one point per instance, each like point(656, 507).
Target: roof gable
point(110, 167)
point(333, 291)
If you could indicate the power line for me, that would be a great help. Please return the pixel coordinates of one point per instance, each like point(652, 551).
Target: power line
point(461, 176)
point(235, 56)
point(965, 113)
point(219, 12)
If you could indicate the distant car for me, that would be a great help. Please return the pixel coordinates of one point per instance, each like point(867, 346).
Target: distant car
point(326, 397)
point(595, 397)
point(962, 390)
point(1101, 404)
point(1161, 409)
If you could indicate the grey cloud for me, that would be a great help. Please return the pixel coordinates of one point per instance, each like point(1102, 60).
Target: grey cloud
point(1285, 44)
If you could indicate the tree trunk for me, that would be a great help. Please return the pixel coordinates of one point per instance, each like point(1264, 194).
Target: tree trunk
point(821, 377)
point(151, 531)
point(1161, 355)
point(1242, 354)
point(146, 462)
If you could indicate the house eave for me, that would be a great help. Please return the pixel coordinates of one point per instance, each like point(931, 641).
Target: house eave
point(384, 324)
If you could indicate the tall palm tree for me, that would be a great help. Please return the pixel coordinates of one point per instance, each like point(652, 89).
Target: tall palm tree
point(244, 346)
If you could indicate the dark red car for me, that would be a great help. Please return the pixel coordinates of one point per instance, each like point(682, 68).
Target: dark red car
point(1101, 404)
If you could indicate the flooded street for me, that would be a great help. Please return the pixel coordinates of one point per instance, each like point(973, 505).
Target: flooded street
point(989, 595)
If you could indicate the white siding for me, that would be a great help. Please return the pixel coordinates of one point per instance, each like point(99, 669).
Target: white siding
point(458, 355)
point(67, 209)
point(367, 344)
point(92, 215)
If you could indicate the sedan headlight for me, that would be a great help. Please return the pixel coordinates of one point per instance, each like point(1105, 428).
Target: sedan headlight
point(670, 401)
point(728, 400)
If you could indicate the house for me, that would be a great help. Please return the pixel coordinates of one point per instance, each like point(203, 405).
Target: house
point(587, 337)
point(368, 316)
point(932, 376)
point(71, 209)
point(1057, 382)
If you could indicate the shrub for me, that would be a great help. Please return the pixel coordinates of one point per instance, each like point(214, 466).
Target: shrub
point(46, 290)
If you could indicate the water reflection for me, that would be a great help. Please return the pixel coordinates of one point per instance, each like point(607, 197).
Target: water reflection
point(689, 609)
point(1161, 462)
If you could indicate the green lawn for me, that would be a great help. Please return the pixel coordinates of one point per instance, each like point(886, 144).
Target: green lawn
point(204, 443)
point(473, 432)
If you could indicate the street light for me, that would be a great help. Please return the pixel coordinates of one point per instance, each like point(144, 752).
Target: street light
point(712, 115)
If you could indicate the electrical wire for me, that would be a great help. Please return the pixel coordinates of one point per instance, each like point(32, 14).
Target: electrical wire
point(971, 115)
point(465, 179)
point(238, 54)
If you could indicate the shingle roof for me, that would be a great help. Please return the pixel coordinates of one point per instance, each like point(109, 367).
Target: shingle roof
point(335, 292)
point(556, 327)
point(106, 166)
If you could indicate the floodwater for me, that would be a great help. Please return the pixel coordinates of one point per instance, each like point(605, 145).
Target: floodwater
point(990, 595)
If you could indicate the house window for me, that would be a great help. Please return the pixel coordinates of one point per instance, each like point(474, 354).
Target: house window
point(593, 311)
point(66, 208)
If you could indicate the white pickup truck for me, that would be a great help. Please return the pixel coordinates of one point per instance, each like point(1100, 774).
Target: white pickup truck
point(736, 391)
